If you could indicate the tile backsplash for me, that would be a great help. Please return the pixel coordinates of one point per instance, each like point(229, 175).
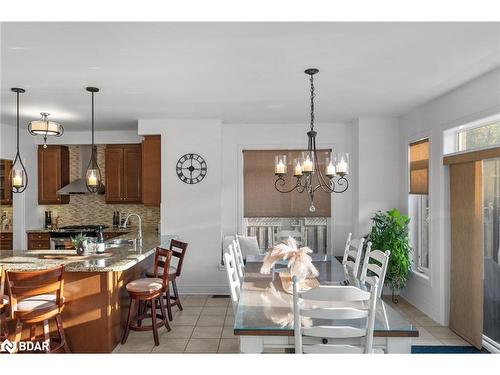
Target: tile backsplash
point(92, 209)
point(6, 223)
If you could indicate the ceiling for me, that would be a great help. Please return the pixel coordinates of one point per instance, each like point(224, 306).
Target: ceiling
point(236, 72)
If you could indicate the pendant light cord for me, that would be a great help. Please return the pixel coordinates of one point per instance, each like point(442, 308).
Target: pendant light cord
point(92, 122)
point(313, 95)
point(17, 119)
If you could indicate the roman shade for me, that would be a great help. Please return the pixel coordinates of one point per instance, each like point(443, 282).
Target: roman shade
point(261, 199)
point(419, 167)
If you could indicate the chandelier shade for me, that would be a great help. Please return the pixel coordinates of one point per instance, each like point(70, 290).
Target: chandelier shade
point(308, 172)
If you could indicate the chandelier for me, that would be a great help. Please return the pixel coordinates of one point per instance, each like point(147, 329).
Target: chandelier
point(45, 128)
point(307, 170)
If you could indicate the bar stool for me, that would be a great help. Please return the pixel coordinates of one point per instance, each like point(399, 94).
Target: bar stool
point(178, 249)
point(149, 291)
point(36, 297)
point(4, 303)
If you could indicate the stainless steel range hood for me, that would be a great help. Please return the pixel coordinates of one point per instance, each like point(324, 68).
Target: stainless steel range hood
point(79, 186)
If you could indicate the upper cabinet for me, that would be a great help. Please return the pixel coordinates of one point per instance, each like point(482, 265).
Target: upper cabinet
point(123, 171)
point(151, 170)
point(5, 192)
point(53, 174)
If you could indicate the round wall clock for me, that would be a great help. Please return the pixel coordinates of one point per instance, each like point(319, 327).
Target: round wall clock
point(191, 168)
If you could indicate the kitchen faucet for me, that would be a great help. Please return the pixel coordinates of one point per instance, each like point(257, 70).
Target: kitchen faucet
point(139, 232)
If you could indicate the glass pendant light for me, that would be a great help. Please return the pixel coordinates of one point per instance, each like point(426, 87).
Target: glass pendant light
point(45, 128)
point(18, 178)
point(93, 177)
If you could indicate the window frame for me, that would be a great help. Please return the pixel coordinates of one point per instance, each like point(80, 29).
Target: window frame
point(421, 218)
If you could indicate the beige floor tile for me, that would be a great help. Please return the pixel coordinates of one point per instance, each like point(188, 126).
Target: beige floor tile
point(212, 302)
point(426, 341)
point(195, 296)
point(230, 310)
point(137, 344)
point(202, 346)
point(201, 332)
point(171, 345)
point(229, 321)
point(211, 320)
point(188, 310)
point(455, 342)
point(422, 332)
point(442, 332)
point(425, 321)
point(229, 346)
point(219, 310)
point(195, 302)
point(178, 332)
point(228, 333)
point(184, 320)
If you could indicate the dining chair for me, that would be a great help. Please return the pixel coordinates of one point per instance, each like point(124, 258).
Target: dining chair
point(248, 245)
point(36, 297)
point(376, 262)
point(350, 310)
point(352, 255)
point(232, 276)
point(238, 257)
point(149, 292)
point(4, 303)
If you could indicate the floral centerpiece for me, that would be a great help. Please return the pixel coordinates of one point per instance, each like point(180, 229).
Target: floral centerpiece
point(299, 260)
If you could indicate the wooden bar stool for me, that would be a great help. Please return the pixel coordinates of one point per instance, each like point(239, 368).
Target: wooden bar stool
point(36, 297)
point(149, 292)
point(178, 249)
point(4, 303)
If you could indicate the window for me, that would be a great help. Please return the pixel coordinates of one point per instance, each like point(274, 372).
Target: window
point(418, 203)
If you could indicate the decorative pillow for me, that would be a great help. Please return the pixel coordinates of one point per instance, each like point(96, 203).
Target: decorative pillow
point(248, 245)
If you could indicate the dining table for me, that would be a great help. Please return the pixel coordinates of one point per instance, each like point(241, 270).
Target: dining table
point(264, 314)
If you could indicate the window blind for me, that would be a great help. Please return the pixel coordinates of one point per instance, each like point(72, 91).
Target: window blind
point(419, 167)
point(261, 199)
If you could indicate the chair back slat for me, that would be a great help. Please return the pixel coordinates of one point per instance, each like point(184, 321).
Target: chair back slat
point(178, 249)
point(238, 257)
point(376, 262)
point(2, 281)
point(162, 260)
point(351, 309)
point(232, 276)
point(352, 255)
point(30, 290)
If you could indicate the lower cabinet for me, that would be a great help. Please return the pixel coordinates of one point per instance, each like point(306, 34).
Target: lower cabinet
point(38, 241)
point(6, 241)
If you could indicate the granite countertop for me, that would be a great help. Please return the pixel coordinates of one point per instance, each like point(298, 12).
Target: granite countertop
point(114, 259)
point(106, 230)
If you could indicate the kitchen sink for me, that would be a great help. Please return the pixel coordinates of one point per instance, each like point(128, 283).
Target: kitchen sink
point(120, 243)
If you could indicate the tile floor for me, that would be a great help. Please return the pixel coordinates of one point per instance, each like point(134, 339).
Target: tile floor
point(206, 326)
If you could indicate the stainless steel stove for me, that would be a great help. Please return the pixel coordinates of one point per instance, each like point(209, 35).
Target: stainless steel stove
point(61, 238)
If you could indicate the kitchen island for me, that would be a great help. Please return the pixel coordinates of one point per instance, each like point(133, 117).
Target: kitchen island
point(96, 300)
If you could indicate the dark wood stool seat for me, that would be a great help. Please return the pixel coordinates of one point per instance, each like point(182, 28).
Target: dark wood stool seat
point(36, 297)
point(148, 292)
point(178, 249)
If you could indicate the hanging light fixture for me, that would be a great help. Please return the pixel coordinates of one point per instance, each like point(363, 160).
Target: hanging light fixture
point(45, 128)
point(93, 177)
point(306, 169)
point(18, 178)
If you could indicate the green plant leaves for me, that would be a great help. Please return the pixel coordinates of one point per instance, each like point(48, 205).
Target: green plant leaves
point(390, 232)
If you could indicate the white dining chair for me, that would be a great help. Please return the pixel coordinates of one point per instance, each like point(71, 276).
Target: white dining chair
point(350, 306)
point(238, 257)
point(353, 253)
point(376, 261)
point(248, 245)
point(232, 276)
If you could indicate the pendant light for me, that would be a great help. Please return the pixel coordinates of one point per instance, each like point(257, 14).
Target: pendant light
point(307, 171)
point(45, 127)
point(18, 178)
point(93, 177)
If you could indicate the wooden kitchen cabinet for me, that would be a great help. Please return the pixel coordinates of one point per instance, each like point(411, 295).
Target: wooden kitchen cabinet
point(53, 174)
point(38, 241)
point(5, 240)
point(151, 170)
point(123, 179)
point(5, 192)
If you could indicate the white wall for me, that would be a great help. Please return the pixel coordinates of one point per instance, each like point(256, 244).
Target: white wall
point(378, 169)
point(474, 100)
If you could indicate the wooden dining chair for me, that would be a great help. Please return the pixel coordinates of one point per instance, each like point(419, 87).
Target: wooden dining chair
point(353, 253)
point(238, 257)
point(376, 262)
point(232, 276)
point(345, 326)
point(36, 297)
point(149, 292)
point(4, 304)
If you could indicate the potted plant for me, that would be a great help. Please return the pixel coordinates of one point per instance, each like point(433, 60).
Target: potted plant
point(80, 243)
point(390, 232)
